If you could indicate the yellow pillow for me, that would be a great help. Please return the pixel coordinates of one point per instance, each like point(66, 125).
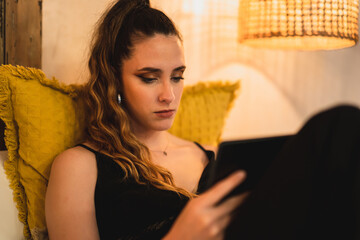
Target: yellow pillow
point(203, 110)
point(43, 118)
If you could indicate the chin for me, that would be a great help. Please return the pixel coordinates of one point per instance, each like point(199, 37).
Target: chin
point(164, 126)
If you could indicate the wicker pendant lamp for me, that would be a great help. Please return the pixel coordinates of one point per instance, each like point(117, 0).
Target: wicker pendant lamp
point(299, 24)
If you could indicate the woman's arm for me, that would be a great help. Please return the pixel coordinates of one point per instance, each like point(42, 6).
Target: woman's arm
point(69, 203)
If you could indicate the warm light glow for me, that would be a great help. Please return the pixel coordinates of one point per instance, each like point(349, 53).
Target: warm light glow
point(196, 7)
point(299, 24)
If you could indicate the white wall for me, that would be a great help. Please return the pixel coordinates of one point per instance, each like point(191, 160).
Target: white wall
point(67, 30)
point(260, 107)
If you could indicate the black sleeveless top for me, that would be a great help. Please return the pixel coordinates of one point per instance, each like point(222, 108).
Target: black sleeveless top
point(128, 210)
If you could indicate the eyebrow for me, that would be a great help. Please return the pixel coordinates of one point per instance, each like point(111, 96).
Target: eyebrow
point(156, 70)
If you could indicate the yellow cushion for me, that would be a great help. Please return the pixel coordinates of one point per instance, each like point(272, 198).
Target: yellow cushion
point(203, 110)
point(43, 118)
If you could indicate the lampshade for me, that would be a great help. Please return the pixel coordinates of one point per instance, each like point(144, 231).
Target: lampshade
point(299, 24)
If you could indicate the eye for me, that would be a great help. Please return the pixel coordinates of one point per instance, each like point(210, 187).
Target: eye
point(146, 79)
point(177, 79)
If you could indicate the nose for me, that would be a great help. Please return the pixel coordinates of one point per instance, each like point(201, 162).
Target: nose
point(166, 94)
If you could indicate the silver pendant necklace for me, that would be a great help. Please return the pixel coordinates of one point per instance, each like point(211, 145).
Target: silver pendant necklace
point(164, 152)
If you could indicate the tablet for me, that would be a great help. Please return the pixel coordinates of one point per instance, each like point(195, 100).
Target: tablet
point(252, 155)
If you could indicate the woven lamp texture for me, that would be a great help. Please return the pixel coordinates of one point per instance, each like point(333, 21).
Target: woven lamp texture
point(299, 24)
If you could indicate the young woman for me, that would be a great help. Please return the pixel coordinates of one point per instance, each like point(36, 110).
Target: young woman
point(131, 179)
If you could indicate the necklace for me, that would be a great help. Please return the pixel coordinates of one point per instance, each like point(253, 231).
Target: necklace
point(164, 152)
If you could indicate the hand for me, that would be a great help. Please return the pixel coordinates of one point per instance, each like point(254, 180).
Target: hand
point(203, 217)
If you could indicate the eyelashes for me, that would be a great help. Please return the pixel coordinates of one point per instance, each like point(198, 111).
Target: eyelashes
point(151, 80)
point(147, 80)
point(177, 79)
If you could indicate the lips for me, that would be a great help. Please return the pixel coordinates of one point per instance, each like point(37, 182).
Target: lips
point(165, 113)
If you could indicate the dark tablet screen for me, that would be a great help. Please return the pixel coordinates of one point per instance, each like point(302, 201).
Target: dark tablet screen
point(252, 155)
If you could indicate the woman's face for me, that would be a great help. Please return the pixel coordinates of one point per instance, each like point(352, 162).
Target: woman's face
point(153, 82)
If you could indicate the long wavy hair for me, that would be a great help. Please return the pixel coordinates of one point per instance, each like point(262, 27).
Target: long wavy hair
point(124, 24)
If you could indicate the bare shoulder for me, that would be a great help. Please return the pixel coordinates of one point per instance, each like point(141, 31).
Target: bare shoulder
point(73, 158)
point(75, 162)
point(73, 168)
point(69, 202)
point(211, 148)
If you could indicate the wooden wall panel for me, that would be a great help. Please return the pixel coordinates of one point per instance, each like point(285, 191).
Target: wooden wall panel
point(2, 32)
point(23, 20)
point(2, 61)
point(20, 37)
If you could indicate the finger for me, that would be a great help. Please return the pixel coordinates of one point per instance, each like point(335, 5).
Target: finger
point(223, 187)
point(224, 222)
point(224, 211)
point(217, 230)
point(229, 205)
